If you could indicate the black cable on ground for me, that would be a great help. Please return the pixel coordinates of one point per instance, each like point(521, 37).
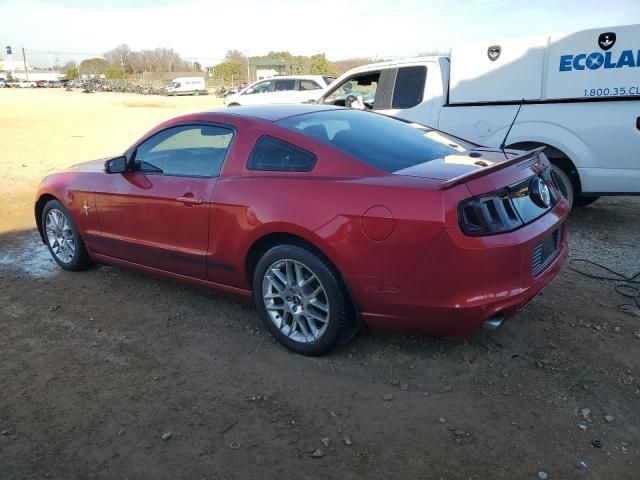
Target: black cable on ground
point(627, 286)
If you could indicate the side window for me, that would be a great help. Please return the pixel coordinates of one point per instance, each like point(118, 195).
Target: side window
point(409, 88)
point(188, 150)
point(361, 87)
point(262, 87)
point(309, 85)
point(285, 85)
point(271, 154)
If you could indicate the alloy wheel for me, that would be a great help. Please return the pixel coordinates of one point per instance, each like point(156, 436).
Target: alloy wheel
point(60, 236)
point(296, 300)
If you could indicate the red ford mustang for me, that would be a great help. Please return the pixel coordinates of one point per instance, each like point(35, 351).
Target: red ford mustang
point(326, 216)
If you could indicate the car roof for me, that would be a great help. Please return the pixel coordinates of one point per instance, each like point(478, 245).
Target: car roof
point(400, 61)
point(292, 77)
point(275, 112)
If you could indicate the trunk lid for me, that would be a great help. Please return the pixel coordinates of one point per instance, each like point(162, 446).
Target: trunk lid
point(481, 170)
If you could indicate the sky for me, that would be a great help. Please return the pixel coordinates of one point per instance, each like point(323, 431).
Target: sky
point(205, 30)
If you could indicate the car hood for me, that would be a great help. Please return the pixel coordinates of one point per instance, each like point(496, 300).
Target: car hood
point(459, 164)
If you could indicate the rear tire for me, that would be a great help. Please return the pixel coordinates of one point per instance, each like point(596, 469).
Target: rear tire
point(301, 299)
point(63, 239)
point(564, 184)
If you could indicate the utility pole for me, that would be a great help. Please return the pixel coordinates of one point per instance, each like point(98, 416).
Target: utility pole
point(13, 70)
point(248, 66)
point(24, 60)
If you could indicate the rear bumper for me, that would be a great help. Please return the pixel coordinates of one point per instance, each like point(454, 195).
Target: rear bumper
point(462, 282)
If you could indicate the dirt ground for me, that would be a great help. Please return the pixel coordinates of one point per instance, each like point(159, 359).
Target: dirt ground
point(111, 374)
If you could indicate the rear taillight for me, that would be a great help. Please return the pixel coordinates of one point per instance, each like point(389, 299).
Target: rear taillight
point(489, 214)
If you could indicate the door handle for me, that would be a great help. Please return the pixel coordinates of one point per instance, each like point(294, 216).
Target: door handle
point(190, 200)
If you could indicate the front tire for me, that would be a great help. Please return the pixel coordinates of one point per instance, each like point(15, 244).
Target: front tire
point(301, 299)
point(62, 238)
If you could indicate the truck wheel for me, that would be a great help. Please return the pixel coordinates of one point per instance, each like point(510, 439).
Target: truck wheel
point(564, 183)
point(581, 201)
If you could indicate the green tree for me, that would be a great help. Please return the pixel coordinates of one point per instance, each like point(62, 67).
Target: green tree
point(114, 73)
point(230, 71)
point(93, 66)
point(71, 70)
point(197, 67)
point(320, 65)
point(71, 73)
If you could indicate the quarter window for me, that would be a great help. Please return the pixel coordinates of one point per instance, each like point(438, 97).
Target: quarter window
point(271, 154)
point(409, 88)
point(189, 150)
point(309, 85)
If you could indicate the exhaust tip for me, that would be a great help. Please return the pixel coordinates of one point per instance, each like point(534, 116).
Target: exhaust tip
point(494, 322)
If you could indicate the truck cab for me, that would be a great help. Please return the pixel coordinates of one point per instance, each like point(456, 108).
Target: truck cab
point(414, 89)
point(579, 92)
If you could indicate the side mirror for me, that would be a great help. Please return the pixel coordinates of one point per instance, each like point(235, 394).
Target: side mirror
point(116, 165)
point(248, 91)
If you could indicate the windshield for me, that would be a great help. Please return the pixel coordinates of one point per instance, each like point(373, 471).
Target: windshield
point(380, 141)
point(174, 85)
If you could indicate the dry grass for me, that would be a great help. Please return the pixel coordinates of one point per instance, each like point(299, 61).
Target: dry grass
point(44, 130)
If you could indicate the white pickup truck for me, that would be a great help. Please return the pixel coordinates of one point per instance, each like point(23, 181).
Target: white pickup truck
point(580, 95)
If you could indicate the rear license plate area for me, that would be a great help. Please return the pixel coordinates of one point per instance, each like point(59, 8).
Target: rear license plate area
point(545, 251)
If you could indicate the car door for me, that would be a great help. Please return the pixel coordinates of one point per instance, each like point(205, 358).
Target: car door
point(406, 94)
point(284, 91)
point(157, 214)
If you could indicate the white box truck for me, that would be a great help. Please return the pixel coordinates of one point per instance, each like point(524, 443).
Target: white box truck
point(580, 95)
point(186, 86)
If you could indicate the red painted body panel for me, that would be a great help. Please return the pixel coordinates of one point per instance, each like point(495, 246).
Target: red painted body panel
point(406, 262)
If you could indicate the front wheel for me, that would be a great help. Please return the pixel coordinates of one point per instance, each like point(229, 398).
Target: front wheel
point(301, 299)
point(62, 238)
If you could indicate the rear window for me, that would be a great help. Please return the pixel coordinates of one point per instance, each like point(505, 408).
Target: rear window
point(380, 141)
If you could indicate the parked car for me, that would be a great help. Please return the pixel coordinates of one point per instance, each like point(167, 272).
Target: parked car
point(581, 101)
point(42, 83)
point(25, 84)
point(289, 89)
point(325, 216)
point(186, 86)
point(55, 84)
point(3, 83)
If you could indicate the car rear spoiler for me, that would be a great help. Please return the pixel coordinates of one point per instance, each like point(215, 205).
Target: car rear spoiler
point(481, 172)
